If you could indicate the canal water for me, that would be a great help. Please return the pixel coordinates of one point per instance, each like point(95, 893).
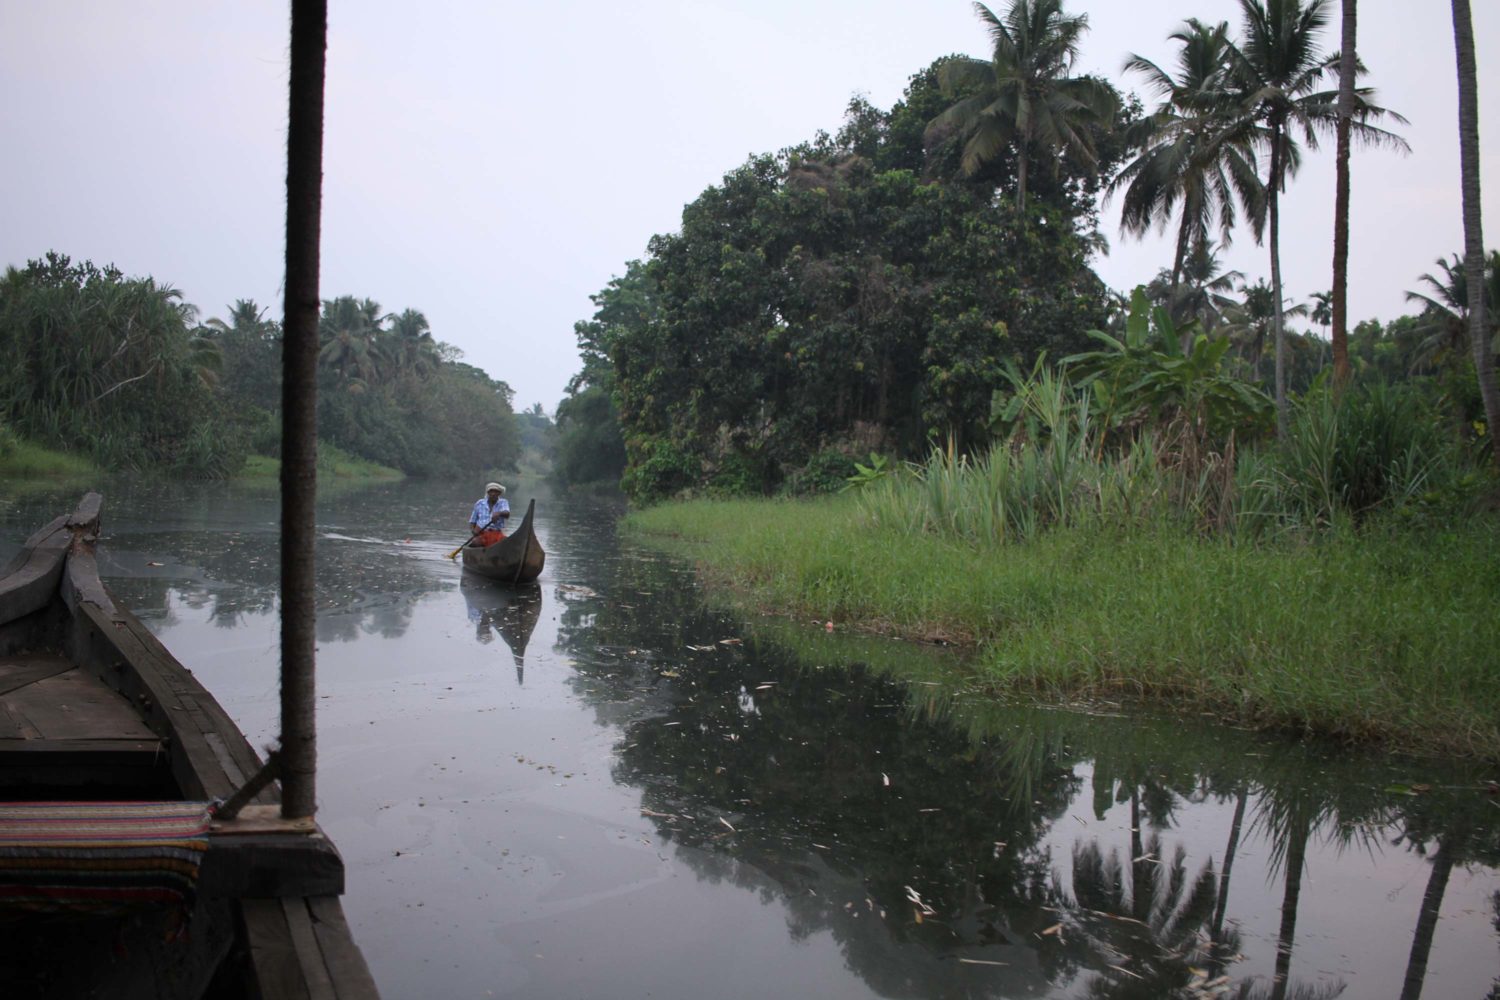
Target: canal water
point(610, 785)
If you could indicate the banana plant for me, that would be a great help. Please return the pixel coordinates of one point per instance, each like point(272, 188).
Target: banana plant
point(1147, 380)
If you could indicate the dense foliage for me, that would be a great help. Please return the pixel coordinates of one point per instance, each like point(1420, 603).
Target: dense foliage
point(832, 300)
point(112, 366)
point(117, 368)
point(870, 291)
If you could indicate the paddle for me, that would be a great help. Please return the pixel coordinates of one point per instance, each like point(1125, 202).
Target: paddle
point(501, 514)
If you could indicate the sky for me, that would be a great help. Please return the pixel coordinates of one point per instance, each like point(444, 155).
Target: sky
point(494, 164)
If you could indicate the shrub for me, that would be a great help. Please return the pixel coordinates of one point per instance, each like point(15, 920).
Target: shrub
point(826, 472)
point(658, 469)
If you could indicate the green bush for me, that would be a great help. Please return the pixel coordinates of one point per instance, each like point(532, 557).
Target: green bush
point(826, 472)
point(658, 469)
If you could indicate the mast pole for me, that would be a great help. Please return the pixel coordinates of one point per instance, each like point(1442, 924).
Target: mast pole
point(299, 441)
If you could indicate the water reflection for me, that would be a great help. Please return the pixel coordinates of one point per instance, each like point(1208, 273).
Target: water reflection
point(510, 612)
point(942, 840)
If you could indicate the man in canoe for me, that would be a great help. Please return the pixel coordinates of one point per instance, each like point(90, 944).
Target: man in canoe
point(487, 522)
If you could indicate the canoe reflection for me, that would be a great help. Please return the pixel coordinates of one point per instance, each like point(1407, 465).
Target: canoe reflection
point(510, 611)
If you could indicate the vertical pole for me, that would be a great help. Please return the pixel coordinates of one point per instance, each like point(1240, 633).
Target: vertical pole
point(299, 402)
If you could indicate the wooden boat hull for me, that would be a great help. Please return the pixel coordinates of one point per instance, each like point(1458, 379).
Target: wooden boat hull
point(517, 559)
point(94, 708)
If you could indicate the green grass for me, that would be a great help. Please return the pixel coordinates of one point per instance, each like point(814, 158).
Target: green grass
point(25, 460)
point(333, 463)
point(1385, 635)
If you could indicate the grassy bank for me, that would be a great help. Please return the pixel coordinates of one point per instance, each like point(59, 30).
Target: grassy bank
point(333, 463)
point(1386, 635)
point(26, 460)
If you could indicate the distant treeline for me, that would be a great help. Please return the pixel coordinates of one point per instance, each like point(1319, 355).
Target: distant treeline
point(120, 369)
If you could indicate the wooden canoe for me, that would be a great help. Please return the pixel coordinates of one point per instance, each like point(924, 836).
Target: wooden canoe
point(517, 559)
point(95, 710)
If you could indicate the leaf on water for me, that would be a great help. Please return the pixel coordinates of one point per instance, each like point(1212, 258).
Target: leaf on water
point(154, 564)
point(726, 823)
point(980, 961)
point(922, 907)
point(731, 642)
point(766, 686)
point(670, 673)
point(703, 649)
point(886, 778)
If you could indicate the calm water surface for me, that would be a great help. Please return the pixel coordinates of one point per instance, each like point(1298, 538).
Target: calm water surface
point(606, 786)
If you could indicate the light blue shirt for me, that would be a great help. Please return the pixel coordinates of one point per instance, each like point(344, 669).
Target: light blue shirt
point(484, 513)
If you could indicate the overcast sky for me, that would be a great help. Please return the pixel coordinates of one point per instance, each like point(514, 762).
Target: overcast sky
point(494, 163)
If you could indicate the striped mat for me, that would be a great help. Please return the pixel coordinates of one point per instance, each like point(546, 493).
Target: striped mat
point(100, 856)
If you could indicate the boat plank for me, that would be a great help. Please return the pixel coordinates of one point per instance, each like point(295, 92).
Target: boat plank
point(14, 727)
point(158, 683)
point(74, 706)
point(346, 963)
point(309, 955)
point(273, 956)
point(19, 671)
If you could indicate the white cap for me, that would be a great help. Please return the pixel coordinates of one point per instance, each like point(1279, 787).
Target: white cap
point(494, 486)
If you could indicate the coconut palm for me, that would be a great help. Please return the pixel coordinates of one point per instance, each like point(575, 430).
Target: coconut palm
point(1344, 111)
point(413, 347)
point(1022, 99)
point(1202, 291)
point(350, 336)
point(245, 318)
point(1254, 320)
point(1445, 317)
point(1194, 154)
point(1277, 71)
point(1468, 142)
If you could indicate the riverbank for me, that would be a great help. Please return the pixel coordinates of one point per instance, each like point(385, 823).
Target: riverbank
point(26, 460)
point(1386, 635)
point(333, 463)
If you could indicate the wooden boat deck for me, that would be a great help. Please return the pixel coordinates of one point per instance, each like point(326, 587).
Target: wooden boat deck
point(61, 726)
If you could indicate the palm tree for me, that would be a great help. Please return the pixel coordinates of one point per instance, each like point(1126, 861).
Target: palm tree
point(1277, 70)
point(1202, 291)
point(1344, 109)
point(1022, 98)
point(1249, 323)
point(1192, 155)
point(1468, 143)
point(1321, 313)
point(1445, 317)
point(245, 317)
point(413, 346)
point(350, 335)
